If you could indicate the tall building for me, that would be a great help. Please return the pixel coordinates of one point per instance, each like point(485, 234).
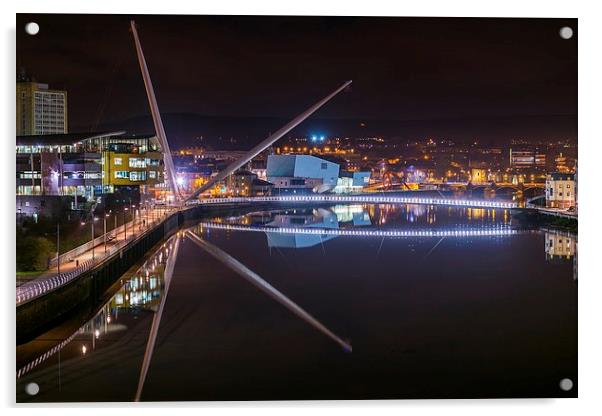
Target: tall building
point(40, 110)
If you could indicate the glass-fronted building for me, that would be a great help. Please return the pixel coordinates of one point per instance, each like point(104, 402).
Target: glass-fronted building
point(85, 166)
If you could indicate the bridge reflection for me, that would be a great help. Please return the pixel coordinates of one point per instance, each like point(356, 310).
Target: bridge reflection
point(147, 289)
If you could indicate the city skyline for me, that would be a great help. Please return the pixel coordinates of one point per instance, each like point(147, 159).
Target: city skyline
point(425, 76)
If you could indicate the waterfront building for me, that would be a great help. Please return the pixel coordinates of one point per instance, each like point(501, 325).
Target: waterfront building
point(73, 169)
point(246, 183)
point(40, 110)
point(560, 190)
point(350, 182)
point(301, 174)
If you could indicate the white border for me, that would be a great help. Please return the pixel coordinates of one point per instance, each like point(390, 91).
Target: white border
point(590, 135)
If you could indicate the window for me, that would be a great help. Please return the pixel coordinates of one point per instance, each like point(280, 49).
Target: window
point(137, 176)
point(122, 174)
point(152, 174)
point(137, 162)
point(117, 161)
point(324, 165)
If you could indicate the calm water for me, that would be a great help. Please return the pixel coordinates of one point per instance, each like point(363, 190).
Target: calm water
point(465, 304)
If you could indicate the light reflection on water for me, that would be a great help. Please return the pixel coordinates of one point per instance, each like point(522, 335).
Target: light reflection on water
point(125, 319)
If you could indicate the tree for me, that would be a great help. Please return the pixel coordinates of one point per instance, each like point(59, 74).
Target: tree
point(33, 253)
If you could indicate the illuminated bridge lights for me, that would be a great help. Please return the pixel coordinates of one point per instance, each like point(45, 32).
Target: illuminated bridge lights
point(463, 232)
point(36, 288)
point(366, 199)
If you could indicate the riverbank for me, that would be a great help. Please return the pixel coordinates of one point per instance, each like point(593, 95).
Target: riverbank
point(534, 218)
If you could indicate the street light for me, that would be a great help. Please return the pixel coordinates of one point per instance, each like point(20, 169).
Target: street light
point(58, 249)
point(105, 230)
point(92, 229)
point(125, 227)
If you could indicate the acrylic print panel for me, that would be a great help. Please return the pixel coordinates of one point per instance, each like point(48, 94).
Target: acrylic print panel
point(295, 208)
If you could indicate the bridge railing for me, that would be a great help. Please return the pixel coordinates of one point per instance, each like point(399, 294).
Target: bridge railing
point(363, 199)
point(41, 286)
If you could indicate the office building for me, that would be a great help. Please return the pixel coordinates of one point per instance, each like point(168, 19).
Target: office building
point(40, 110)
point(73, 169)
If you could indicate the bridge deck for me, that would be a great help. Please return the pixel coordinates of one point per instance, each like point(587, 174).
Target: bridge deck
point(365, 199)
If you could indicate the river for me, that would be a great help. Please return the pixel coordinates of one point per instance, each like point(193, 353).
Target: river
point(330, 302)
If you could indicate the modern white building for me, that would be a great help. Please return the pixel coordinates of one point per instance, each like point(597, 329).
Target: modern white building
point(301, 174)
point(560, 190)
point(351, 182)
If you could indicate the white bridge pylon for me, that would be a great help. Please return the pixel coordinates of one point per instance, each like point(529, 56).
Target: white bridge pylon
point(157, 121)
point(160, 131)
point(231, 168)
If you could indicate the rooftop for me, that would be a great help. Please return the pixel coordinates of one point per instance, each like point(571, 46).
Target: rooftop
point(558, 176)
point(62, 139)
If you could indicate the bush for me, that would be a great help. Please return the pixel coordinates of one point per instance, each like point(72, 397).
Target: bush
point(33, 253)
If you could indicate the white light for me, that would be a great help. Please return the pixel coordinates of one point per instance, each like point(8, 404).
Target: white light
point(566, 32)
point(32, 28)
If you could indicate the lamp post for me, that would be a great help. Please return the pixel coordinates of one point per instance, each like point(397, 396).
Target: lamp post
point(58, 249)
point(93, 235)
point(105, 231)
point(125, 227)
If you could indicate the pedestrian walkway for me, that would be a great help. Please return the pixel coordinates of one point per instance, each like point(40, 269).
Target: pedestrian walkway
point(69, 270)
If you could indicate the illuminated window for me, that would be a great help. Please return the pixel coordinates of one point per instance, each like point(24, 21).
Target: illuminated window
point(152, 174)
point(122, 174)
point(137, 176)
point(117, 161)
point(137, 162)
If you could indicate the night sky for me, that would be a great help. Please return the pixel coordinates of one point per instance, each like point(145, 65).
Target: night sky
point(242, 66)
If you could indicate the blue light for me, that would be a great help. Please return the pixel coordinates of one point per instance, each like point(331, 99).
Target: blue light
point(321, 138)
point(314, 138)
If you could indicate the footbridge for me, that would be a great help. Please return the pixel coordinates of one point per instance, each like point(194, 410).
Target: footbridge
point(359, 199)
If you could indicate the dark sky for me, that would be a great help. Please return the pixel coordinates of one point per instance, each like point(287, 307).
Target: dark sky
point(402, 68)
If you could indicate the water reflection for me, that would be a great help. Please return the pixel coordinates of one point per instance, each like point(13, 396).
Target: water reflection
point(138, 293)
point(561, 247)
point(122, 336)
point(265, 287)
point(358, 215)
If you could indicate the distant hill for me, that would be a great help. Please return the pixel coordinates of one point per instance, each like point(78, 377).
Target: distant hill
point(243, 132)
